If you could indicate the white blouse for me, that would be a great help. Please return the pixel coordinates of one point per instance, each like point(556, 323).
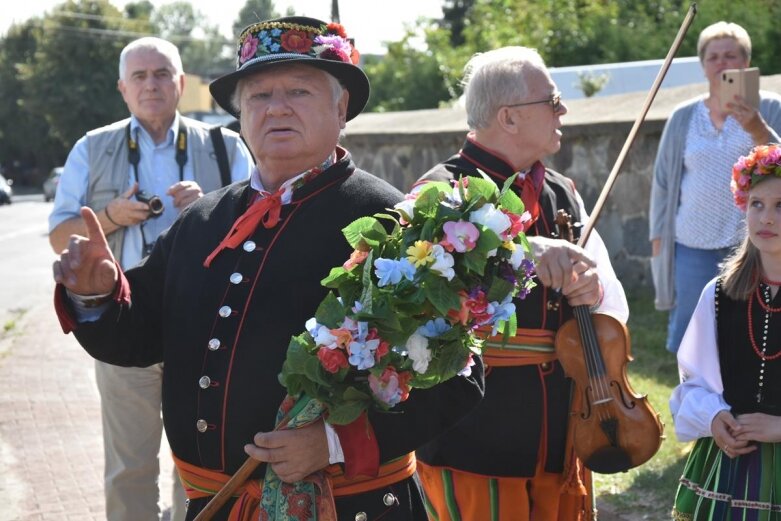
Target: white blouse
point(699, 397)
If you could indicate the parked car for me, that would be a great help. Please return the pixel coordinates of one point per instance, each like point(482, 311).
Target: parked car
point(5, 190)
point(50, 185)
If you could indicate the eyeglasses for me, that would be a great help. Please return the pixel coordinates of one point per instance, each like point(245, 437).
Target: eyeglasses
point(554, 101)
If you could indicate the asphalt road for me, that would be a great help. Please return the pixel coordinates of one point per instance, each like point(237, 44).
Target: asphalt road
point(25, 257)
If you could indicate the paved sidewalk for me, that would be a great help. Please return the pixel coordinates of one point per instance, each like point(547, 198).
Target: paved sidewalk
point(51, 452)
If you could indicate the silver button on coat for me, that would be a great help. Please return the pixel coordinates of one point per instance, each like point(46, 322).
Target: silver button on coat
point(225, 311)
point(361, 516)
point(204, 382)
point(249, 246)
point(236, 278)
point(214, 344)
point(201, 425)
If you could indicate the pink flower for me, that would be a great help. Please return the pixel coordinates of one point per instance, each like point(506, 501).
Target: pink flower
point(460, 236)
point(332, 359)
point(356, 258)
point(249, 48)
point(390, 387)
point(517, 224)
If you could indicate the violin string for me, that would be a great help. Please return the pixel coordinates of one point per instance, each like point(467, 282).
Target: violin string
point(596, 365)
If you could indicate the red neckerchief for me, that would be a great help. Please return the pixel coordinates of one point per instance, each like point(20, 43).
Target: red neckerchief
point(531, 187)
point(265, 209)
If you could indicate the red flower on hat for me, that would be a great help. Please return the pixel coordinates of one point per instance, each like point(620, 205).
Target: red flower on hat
point(296, 41)
point(334, 28)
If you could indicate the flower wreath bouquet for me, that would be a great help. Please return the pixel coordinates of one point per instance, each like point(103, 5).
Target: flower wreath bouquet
point(404, 308)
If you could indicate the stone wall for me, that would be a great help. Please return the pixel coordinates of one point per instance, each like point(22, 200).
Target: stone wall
point(400, 147)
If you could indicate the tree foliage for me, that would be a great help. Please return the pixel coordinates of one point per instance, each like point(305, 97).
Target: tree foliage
point(252, 12)
point(567, 32)
point(58, 72)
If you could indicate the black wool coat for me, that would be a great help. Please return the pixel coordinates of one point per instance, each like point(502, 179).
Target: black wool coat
point(174, 317)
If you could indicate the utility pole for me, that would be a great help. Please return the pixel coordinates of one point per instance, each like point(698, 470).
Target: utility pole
point(335, 11)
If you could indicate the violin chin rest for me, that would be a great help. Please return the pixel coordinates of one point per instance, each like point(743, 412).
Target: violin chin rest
point(608, 460)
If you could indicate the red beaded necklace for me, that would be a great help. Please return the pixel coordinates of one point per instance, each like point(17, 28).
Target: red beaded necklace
point(767, 309)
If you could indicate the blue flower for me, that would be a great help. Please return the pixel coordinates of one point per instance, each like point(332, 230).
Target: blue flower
point(434, 328)
point(276, 32)
point(391, 271)
point(502, 311)
point(274, 47)
point(362, 354)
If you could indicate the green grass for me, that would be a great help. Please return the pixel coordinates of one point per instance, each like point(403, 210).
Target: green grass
point(648, 491)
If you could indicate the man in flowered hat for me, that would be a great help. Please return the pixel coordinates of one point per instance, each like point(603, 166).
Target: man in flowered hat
point(239, 273)
point(509, 459)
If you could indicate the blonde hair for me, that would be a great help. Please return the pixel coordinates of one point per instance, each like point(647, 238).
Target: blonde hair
point(741, 271)
point(724, 30)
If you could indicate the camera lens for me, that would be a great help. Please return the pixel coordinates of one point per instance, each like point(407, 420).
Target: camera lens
point(155, 205)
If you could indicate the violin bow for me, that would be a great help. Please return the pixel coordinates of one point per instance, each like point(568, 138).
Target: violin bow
point(589, 226)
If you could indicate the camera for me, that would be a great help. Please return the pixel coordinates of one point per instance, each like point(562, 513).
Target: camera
point(155, 203)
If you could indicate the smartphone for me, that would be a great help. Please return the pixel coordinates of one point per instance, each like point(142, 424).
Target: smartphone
point(739, 82)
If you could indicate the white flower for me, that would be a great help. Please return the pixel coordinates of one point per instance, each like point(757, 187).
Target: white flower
point(443, 262)
point(418, 352)
point(493, 219)
point(407, 209)
point(517, 257)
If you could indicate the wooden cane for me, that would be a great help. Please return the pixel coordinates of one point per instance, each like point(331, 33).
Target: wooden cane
point(226, 492)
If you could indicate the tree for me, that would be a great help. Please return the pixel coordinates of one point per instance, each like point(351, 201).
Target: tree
point(203, 49)
point(72, 82)
point(24, 135)
point(454, 19)
point(394, 88)
point(253, 11)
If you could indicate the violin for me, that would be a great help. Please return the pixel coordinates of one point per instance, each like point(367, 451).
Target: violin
point(613, 428)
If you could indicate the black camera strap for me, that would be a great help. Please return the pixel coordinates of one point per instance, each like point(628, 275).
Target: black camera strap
point(134, 158)
point(134, 153)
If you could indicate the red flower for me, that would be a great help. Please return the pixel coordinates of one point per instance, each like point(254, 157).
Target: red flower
point(332, 359)
point(296, 41)
point(335, 28)
point(384, 346)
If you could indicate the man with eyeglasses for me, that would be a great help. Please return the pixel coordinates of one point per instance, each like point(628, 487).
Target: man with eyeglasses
point(510, 459)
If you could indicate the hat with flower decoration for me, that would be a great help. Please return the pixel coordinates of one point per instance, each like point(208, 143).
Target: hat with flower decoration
point(762, 161)
point(296, 39)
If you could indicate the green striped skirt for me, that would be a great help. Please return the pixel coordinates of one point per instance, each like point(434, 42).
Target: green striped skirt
point(716, 488)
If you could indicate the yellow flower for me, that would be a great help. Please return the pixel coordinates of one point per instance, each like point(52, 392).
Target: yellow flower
point(508, 245)
point(420, 253)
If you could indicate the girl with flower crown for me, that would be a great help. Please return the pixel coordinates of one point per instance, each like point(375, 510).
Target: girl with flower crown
point(729, 399)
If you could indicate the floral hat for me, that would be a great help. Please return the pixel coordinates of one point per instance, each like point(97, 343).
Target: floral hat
point(296, 39)
point(762, 161)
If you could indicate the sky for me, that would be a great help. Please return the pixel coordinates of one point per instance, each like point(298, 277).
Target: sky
point(370, 22)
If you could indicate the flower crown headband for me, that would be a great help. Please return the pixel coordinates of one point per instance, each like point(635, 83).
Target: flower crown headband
point(270, 40)
point(762, 161)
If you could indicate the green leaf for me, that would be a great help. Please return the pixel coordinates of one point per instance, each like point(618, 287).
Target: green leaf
point(481, 188)
point(355, 231)
point(506, 187)
point(330, 312)
point(499, 289)
point(440, 294)
point(335, 277)
point(487, 241)
point(511, 202)
point(349, 407)
point(427, 232)
point(429, 198)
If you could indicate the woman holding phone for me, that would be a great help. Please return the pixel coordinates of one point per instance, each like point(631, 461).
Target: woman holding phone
point(693, 223)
